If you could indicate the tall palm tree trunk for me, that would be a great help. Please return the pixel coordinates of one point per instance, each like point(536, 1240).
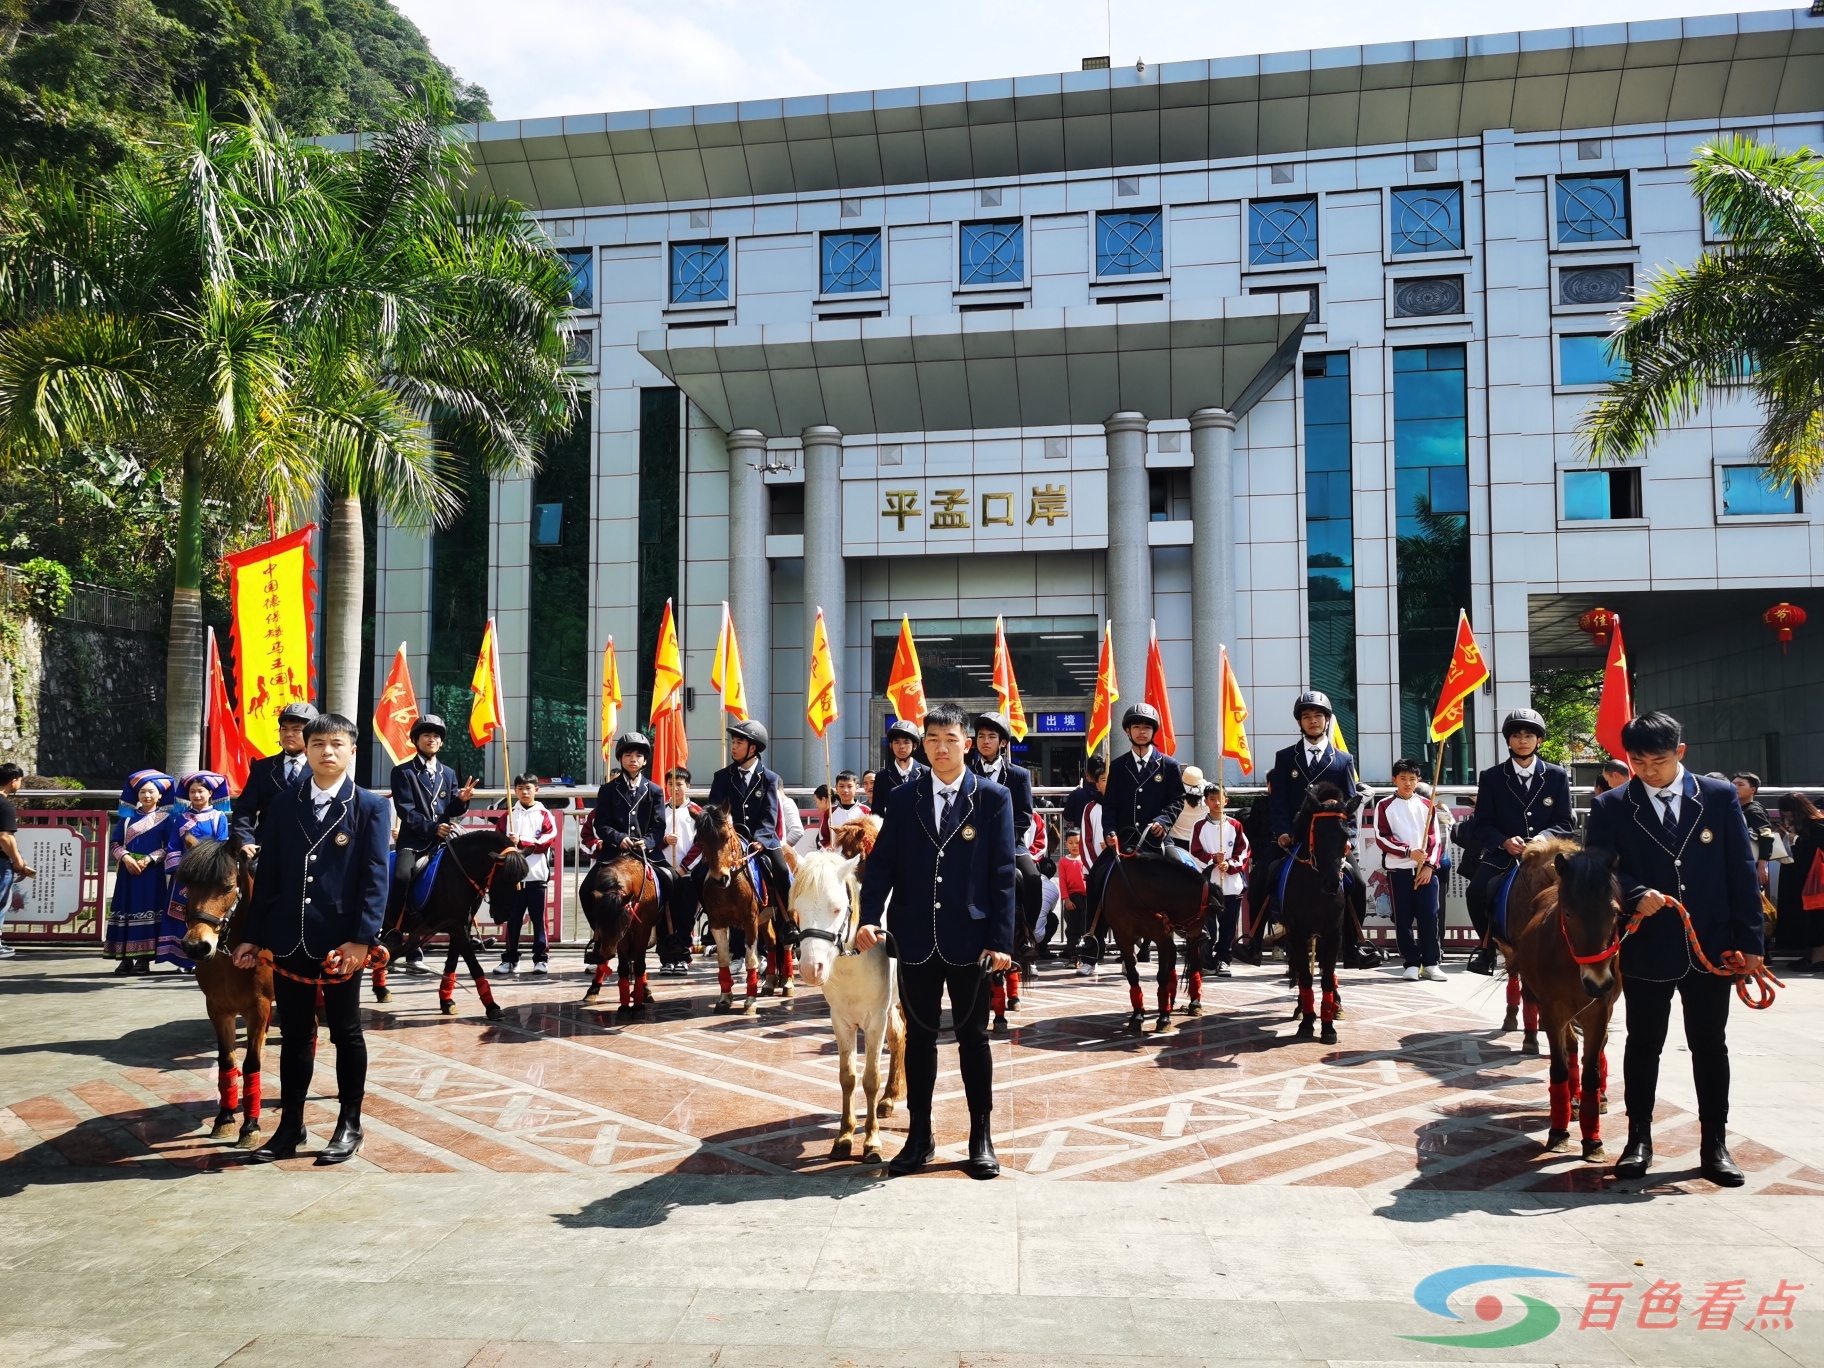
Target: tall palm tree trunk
point(343, 606)
point(184, 663)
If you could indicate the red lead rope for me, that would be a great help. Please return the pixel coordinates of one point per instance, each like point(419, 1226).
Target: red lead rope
point(1735, 964)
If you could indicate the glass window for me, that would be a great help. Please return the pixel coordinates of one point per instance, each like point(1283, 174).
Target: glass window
point(1330, 534)
point(699, 272)
point(1584, 359)
point(1428, 219)
point(558, 655)
point(1282, 231)
point(1130, 242)
point(1586, 495)
point(1593, 208)
point(581, 262)
point(851, 262)
point(994, 253)
point(1748, 493)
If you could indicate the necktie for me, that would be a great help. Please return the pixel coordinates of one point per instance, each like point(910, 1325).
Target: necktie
point(949, 817)
point(1670, 820)
point(291, 770)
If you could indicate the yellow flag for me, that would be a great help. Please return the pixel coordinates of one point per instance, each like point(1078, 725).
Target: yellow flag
point(611, 699)
point(1336, 734)
point(487, 716)
point(820, 704)
point(1006, 687)
point(1108, 692)
point(725, 673)
point(667, 669)
point(1234, 714)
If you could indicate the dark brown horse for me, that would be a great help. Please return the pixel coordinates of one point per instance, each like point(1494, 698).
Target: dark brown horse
point(475, 865)
point(731, 901)
point(622, 902)
point(1538, 871)
point(1151, 897)
point(218, 891)
point(1314, 904)
point(1565, 947)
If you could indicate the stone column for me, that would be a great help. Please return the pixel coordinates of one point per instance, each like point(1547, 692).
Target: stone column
point(750, 596)
point(825, 577)
point(1130, 557)
point(1212, 573)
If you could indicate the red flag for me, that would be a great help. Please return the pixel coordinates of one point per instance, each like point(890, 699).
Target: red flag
point(1468, 669)
point(1159, 696)
point(670, 746)
point(1108, 693)
point(229, 751)
point(397, 709)
point(1006, 687)
point(1617, 705)
point(906, 684)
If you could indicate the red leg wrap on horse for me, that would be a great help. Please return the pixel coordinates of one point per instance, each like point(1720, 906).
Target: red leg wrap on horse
point(1602, 1061)
point(1196, 989)
point(228, 1084)
point(1561, 1104)
point(1307, 1003)
point(1327, 1008)
point(601, 973)
point(753, 982)
point(1589, 1119)
point(997, 997)
point(1168, 992)
point(1013, 983)
point(626, 990)
point(1513, 991)
point(641, 993)
point(484, 990)
point(380, 978)
point(725, 978)
point(1136, 996)
point(1530, 1016)
point(790, 969)
point(446, 988)
point(253, 1098)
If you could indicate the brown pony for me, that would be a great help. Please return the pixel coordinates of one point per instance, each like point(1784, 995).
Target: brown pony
point(731, 900)
point(1149, 898)
point(1538, 871)
point(620, 898)
point(1566, 954)
point(218, 891)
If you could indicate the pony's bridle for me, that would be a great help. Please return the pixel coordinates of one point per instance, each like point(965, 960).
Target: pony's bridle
point(844, 940)
point(1564, 926)
point(481, 887)
point(1308, 856)
point(215, 923)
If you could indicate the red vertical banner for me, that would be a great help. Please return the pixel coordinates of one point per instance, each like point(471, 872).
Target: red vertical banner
point(272, 599)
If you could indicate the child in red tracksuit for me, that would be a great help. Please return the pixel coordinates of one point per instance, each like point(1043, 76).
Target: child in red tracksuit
point(534, 831)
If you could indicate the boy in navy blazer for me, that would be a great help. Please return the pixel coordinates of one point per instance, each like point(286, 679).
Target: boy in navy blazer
point(945, 855)
point(1522, 797)
point(319, 905)
point(1679, 837)
point(270, 776)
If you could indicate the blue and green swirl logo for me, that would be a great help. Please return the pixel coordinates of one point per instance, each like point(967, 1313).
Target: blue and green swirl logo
point(1434, 1294)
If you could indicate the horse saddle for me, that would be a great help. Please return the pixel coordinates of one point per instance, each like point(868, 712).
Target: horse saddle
point(1497, 908)
point(1285, 873)
point(762, 890)
point(423, 874)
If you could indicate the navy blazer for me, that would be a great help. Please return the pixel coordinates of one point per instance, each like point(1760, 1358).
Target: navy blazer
point(265, 781)
point(1136, 798)
point(1017, 780)
point(1504, 808)
point(887, 778)
point(425, 803)
point(753, 804)
point(951, 898)
point(1075, 801)
point(623, 810)
point(320, 884)
point(1291, 776)
point(1708, 866)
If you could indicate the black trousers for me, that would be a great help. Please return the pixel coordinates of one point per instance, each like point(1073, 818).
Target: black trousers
point(1480, 892)
point(528, 901)
point(921, 989)
point(1220, 922)
point(1706, 1004)
point(297, 1011)
point(681, 920)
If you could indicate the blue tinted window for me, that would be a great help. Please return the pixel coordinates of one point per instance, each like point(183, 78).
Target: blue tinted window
point(1586, 495)
point(851, 262)
point(1330, 534)
point(1593, 208)
point(1130, 242)
point(699, 272)
point(1583, 359)
point(1746, 492)
point(1282, 231)
point(581, 262)
point(1429, 219)
point(994, 253)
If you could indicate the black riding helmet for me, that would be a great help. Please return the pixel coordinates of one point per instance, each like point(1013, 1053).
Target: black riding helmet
point(901, 727)
point(751, 731)
point(429, 722)
point(627, 741)
point(996, 722)
point(1140, 712)
point(301, 713)
point(1523, 719)
point(1312, 698)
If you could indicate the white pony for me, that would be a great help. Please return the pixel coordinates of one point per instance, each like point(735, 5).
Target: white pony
point(860, 988)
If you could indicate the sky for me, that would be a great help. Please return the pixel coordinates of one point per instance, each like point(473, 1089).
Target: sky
point(542, 57)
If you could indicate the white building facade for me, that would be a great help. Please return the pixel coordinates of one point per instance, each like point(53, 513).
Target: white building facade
point(1285, 353)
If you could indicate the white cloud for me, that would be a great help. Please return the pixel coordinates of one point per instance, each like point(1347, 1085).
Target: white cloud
point(540, 57)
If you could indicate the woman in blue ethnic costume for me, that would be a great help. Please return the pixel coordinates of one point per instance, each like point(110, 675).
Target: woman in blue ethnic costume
point(138, 853)
point(203, 818)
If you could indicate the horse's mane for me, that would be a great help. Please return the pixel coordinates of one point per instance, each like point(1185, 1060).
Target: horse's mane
point(1542, 848)
point(209, 864)
point(825, 873)
point(721, 847)
point(858, 837)
point(1318, 795)
point(1586, 876)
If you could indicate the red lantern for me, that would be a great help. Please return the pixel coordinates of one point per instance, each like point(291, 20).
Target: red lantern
point(1783, 618)
point(1600, 624)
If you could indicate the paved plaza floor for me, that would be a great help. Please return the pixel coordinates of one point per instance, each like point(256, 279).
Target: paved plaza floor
point(564, 1186)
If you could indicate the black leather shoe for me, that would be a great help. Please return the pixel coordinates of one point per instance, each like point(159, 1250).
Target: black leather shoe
point(1637, 1157)
point(285, 1143)
point(1247, 952)
point(981, 1163)
point(1483, 961)
point(914, 1154)
point(343, 1144)
point(1714, 1161)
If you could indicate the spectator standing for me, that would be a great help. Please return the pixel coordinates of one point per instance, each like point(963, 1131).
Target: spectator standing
point(1412, 848)
point(1219, 844)
point(533, 829)
point(1799, 932)
point(205, 818)
point(138, 853)
point(12, 864)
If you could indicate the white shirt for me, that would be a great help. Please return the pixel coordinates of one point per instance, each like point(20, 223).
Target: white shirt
point(291, 766)
point(1676, 792)
point(1314, 755)
point(938, 789)
point(1525, 772)
point(1143, 758)
point(322, 797)
point(533, 823)
point(1406, 820)
point(1092, 832)
point(789, 817)
point(1213, 838)
point(679, 823)
point(1188, 817)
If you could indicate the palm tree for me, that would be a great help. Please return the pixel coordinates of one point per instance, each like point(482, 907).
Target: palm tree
point(450, 307)
point(1747, 314)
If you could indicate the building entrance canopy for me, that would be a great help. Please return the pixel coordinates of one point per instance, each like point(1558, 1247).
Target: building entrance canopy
point(957, 372)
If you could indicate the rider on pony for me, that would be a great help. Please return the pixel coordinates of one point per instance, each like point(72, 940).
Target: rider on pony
point(1142, 798)
point(629, 816)
point(749, 791)
point(427, 799)
point(1522, 797)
